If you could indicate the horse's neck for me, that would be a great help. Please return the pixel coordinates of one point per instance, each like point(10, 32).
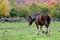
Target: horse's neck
point(34, 16)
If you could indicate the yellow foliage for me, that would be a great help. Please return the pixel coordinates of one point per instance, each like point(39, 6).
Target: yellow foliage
point(4, 8)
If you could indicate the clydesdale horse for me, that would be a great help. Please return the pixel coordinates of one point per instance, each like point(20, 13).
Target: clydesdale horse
point(41, 19)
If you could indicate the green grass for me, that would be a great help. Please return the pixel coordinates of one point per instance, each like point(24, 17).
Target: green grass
point(27, 32)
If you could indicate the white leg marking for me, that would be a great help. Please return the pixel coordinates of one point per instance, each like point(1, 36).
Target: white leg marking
point(37, 31)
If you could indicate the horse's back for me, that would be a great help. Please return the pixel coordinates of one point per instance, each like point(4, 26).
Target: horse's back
point(41, 18)
point(38, 19)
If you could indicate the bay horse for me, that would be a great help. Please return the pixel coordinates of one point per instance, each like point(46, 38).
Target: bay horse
point(41, 19)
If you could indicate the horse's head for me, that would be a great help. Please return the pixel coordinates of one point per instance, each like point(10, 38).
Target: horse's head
point(30, 20)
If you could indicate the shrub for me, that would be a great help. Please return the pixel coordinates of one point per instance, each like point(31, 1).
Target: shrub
point(22, 13)
point(13, 12)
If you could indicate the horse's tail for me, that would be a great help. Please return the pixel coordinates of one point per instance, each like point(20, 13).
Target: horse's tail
point(48, 19)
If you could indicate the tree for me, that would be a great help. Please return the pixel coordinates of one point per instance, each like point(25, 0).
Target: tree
point(13, 3)
point(44, 8)
point(4, 8)
point(57, 6)
point(34, 8)
point(22, 13)
point(55, 10)
point(13, 12)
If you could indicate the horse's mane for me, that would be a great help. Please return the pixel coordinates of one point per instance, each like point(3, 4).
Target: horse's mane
point(34, 16)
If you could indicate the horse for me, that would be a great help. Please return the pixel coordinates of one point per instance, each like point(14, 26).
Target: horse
point(41, 20)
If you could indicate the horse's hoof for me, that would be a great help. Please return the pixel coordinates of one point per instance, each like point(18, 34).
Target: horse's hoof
point(38, 34)
point(46, 33)
point(43, 32)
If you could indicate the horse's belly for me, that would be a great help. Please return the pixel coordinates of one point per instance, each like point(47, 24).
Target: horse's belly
point(41, 24)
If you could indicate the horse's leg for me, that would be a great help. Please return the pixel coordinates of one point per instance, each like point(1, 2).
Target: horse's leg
point(37, 29)
point(47, 30)
point(41, 29)
point(47, 26)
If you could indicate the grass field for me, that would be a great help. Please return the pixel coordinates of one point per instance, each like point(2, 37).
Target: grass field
point(22, 31)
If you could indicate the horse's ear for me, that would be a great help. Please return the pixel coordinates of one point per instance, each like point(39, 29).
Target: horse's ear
point(30, 17)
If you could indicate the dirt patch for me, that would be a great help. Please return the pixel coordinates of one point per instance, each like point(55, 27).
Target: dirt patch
point(10, 28)
point(13, 28)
